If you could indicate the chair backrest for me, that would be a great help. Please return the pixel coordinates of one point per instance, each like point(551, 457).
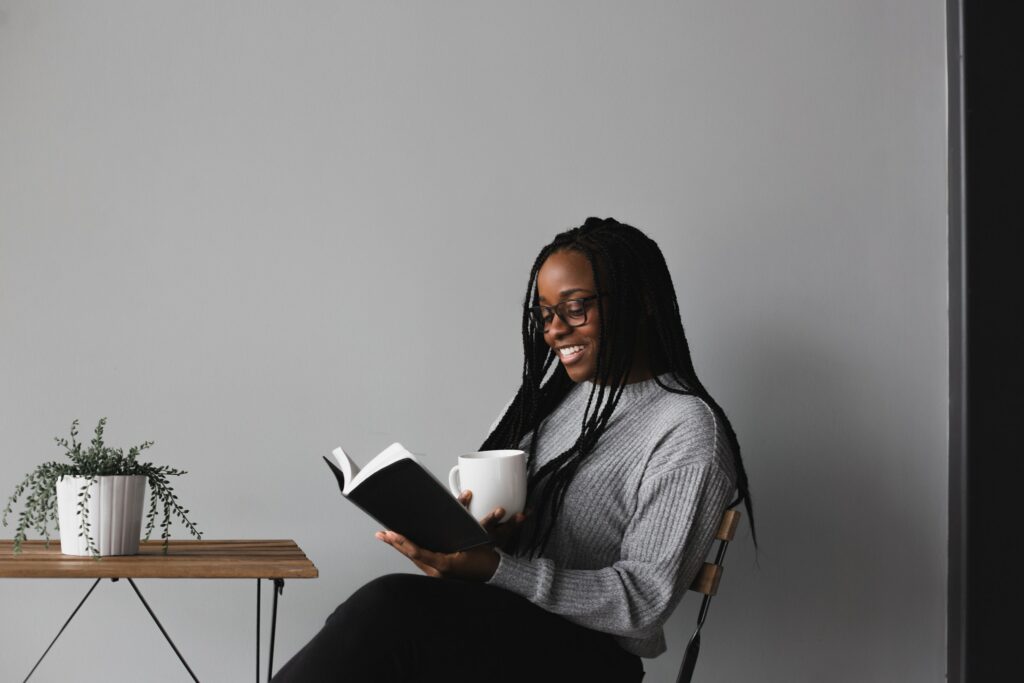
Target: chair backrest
point(706, 583)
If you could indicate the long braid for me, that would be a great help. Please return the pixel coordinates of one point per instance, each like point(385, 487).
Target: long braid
point(673, 337)
point(562, 469)
point(630, 270)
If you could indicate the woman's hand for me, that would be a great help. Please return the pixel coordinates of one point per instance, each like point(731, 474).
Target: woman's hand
point(500, 532)
point(477, 563)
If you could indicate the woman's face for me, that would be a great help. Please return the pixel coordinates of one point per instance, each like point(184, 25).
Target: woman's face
point(567, 275)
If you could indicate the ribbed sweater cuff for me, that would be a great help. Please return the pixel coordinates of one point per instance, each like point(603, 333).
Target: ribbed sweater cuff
point(515, 574)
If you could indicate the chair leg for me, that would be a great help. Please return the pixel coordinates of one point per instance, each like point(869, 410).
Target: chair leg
point(689, 659)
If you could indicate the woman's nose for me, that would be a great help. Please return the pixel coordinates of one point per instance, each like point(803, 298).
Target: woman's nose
point(558, 327)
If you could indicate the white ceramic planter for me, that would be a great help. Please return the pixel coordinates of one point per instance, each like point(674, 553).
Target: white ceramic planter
point(114, 513)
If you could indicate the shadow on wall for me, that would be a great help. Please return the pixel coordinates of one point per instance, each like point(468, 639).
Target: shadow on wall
point(829, 445)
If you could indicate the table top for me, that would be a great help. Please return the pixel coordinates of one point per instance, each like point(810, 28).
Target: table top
point(185, 559)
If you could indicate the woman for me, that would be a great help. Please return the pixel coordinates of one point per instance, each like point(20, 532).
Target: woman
point(631, 466)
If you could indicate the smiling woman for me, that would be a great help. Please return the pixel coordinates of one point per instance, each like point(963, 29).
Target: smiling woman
point(636, 465)
point(571, 327)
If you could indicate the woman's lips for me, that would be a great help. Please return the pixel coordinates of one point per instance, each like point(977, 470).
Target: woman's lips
point(570, 359)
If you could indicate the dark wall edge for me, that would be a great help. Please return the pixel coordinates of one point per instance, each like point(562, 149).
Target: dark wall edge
point(956, 616)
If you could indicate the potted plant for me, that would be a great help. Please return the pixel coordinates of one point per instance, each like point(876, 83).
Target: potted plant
point(95, 501)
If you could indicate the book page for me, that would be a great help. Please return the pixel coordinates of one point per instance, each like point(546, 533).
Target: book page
point(347, 467)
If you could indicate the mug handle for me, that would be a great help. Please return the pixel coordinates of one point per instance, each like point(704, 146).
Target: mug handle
point(453, 476)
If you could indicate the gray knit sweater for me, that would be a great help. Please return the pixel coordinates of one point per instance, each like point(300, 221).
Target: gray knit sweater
point(638, 518)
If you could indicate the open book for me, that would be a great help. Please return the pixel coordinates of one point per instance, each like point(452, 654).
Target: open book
point(403, 496)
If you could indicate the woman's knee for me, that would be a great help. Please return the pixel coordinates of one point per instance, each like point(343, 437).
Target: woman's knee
point(383, 599)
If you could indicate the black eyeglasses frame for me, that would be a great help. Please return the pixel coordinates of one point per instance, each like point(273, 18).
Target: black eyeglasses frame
point(536, 311)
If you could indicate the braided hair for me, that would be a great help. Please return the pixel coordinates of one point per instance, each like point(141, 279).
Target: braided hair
point(630, 270)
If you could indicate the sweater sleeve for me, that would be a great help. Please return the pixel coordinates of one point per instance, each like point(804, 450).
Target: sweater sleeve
point(663, 547)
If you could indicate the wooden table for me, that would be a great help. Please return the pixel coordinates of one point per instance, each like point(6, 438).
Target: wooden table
point(185, 559)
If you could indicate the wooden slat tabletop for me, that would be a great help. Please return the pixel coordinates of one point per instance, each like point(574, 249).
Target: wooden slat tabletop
point(185, 559)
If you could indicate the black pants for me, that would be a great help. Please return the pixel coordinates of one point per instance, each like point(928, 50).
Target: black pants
point(413, 627)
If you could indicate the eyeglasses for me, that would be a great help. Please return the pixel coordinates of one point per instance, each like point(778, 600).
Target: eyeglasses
point(573, 312)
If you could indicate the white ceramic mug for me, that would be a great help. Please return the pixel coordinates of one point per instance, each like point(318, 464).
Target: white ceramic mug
point(496, 478)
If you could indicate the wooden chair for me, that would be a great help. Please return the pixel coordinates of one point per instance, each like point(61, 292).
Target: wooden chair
point(706, 583)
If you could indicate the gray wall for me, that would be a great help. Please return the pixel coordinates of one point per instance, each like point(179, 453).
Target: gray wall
point(252, 233)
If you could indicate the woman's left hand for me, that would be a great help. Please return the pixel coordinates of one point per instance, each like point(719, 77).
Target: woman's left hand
point(477, 563)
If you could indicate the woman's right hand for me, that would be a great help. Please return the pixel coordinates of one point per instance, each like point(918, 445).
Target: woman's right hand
point(500, 532)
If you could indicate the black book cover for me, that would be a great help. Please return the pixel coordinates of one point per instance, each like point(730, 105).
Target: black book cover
point(405, 498)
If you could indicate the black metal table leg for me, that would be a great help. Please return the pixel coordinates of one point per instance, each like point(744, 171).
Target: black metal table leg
point(278, 590)
point(258, 591)
point(162, 630)
point(95, 583)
